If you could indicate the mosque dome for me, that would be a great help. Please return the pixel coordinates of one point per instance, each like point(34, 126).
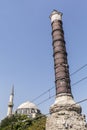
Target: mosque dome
point(27, 104)
point(28, 108)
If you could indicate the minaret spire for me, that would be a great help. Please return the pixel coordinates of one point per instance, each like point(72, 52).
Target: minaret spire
point(10, 104)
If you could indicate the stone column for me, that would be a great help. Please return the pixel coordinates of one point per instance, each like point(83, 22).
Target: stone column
point(62, 79)
point(61, 67)
point(65, 113)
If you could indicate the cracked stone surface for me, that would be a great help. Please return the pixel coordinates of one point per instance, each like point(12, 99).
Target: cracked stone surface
point(66, 115)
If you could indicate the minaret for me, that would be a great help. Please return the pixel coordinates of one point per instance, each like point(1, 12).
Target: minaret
point(10, 104)
point(64, 113)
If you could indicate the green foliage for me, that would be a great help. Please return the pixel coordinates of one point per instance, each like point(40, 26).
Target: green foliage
point(21, 122)
point(38, 124)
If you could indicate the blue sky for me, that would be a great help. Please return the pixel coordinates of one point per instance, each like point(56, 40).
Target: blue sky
point(26, 50)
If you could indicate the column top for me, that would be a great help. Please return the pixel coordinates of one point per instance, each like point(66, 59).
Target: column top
point(56, 15)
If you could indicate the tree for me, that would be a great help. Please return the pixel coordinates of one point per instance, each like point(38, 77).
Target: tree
point(21, 122)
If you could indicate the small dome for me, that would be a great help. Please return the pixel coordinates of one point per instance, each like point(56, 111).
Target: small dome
point(28, 108)
point(27, 104)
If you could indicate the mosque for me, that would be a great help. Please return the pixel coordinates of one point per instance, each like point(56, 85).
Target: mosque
point(27, 108)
